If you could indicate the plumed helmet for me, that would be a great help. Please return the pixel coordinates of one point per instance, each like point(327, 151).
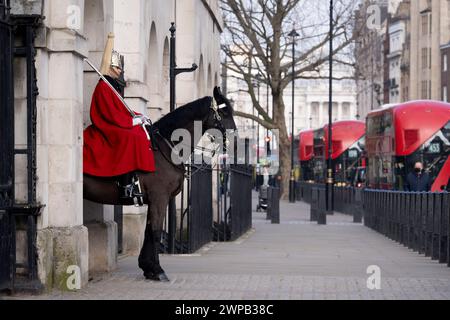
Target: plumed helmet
point(111, 58)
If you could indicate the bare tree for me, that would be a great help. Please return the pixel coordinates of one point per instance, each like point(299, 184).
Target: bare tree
point(257, 42)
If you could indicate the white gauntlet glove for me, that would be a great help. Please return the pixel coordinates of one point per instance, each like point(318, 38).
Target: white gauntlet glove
point(138, 121)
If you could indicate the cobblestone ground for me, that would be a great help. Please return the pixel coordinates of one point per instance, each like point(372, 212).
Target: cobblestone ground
point(293, 260)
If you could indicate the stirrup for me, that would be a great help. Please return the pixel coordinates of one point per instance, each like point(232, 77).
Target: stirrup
point(126, 191)
point(137, 195)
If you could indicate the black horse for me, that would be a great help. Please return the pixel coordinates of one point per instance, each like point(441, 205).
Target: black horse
point(167, 182)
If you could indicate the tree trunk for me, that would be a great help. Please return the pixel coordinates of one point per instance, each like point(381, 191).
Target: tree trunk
point(284, 143)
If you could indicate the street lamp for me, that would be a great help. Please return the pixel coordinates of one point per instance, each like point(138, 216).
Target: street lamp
point(268, 151)
point(292, 34)
point(258, 83)
point(330, 174)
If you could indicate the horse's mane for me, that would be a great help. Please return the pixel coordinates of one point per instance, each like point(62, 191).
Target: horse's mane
point(184, 115)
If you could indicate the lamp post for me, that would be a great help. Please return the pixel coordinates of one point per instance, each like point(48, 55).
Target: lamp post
point(292, 34)
point(330, 173)
point(258, 84)
point(174, 72)
point(268, 151)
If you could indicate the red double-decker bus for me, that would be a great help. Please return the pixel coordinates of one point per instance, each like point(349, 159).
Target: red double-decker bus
point(348, 149)
point(403, 134)
point(306, 154)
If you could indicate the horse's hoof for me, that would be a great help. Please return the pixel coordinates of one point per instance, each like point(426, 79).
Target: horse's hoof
point(162, 277)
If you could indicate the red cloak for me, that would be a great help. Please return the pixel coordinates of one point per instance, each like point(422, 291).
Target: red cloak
point(112, 146)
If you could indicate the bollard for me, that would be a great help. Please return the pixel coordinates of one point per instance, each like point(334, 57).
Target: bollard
point(275, 211)
point(314, 204)
point(269, 204)
point(298, 191)
point(292, 196)
point(322, 210)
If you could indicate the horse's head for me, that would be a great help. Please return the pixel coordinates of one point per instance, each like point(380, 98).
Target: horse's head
point(222, 115)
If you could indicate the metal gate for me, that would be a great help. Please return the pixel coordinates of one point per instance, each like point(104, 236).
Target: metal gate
point(234, 197)
point(194, 220)
point(241, 200)
point(17, 35)
point(199, 212)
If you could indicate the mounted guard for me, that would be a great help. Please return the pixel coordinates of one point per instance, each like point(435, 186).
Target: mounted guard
point(116, 145)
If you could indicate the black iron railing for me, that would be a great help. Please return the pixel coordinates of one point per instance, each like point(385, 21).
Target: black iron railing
point(419, 221)
point(194, 223)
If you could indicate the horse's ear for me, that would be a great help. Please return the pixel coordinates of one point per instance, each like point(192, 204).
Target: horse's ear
point(221, 99)
point(218, 96)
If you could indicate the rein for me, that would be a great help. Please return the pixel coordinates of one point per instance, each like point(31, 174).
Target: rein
point(182, 167)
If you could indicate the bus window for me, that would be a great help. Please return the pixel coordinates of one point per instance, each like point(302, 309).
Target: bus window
point(434, 153)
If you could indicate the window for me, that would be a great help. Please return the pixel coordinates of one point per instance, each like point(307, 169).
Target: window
point(425, 89)
point(424, 58)
point(429, 58)
point(445, 63)
point(380, 124)
point(429, 90)
point(425, 24)
point(430, 24)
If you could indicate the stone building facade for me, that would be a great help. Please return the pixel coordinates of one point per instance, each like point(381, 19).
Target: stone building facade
point(416, 62)
point(430, 29)
point(396, 81)
point(73, 232)
point(369, 55)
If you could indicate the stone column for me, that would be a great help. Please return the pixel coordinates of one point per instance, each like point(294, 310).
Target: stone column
point(62, 240)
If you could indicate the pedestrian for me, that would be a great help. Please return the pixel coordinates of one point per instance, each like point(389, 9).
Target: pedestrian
point(418, 180)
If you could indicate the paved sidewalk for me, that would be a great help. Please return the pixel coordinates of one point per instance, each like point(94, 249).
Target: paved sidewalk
point(293, 260)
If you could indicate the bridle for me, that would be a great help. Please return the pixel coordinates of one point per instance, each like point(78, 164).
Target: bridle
point(217, 123)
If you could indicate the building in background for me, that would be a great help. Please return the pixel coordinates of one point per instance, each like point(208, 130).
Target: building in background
point(445, 74)
point(414, 58)
point(311, 103)
point(396, 58)
point(369, 56)
point(429, 31)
